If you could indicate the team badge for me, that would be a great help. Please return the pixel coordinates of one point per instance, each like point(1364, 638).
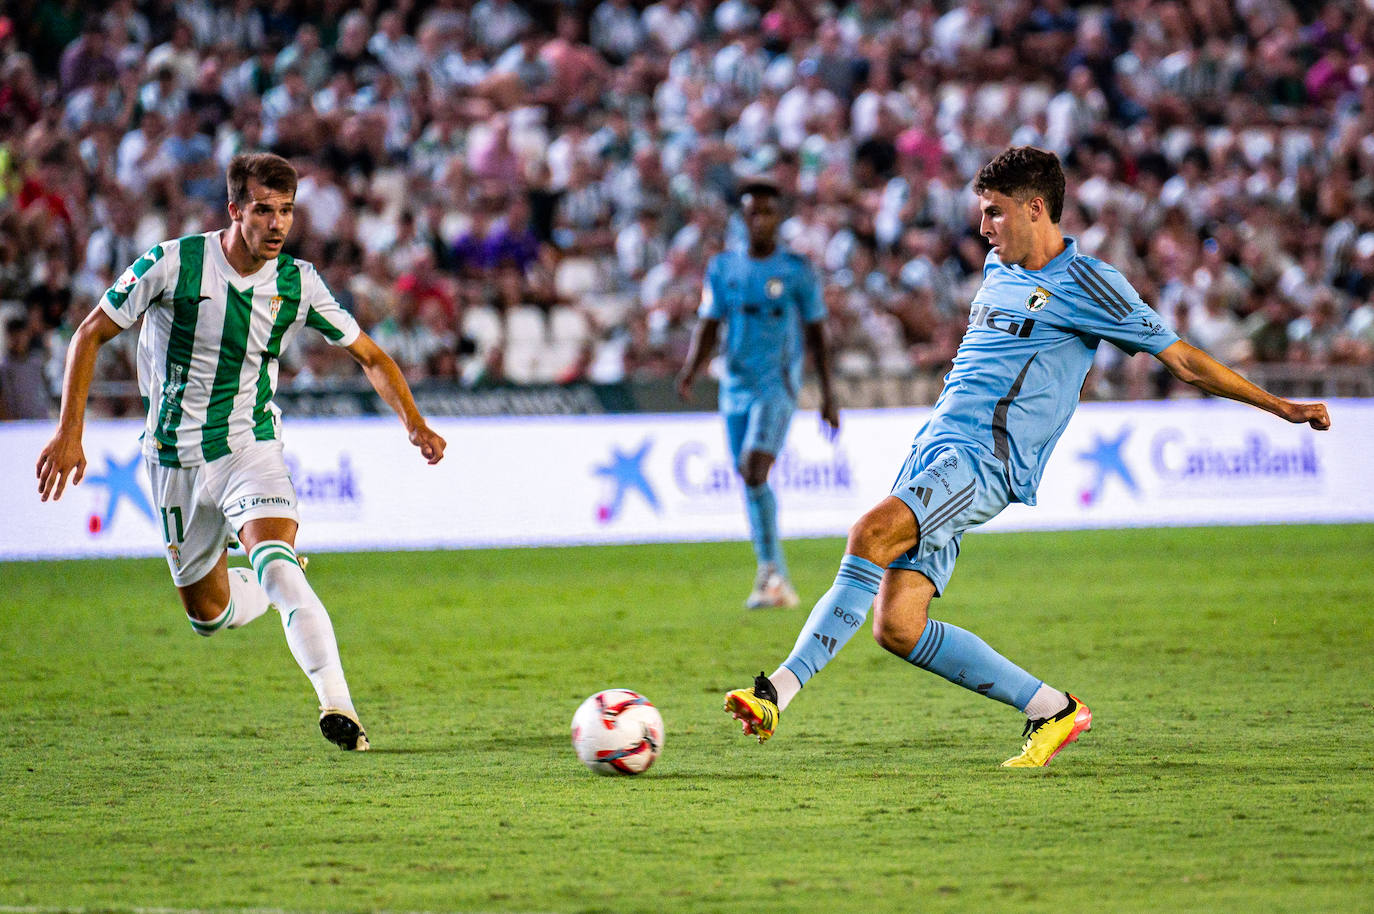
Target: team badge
point(773, 288)
point(274, 305)
point(126, 281)
point(175, 553)
point(1038, 299)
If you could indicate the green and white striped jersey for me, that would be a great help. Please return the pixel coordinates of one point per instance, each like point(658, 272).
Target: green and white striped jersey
point(208, 350)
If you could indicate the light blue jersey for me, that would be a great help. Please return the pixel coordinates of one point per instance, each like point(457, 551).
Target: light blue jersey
point(1031, 339)
point(764, 304)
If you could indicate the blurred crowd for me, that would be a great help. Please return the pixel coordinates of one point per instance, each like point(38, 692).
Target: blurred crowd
point(510, 192)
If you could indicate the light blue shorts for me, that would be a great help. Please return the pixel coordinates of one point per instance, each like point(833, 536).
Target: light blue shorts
point(761, 427)
point(949, 489)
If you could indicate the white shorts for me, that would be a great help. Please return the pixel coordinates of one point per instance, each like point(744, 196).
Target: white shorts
point(202, 508)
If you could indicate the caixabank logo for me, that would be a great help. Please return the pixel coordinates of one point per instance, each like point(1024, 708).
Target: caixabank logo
point(1251, 462)
point(1106, 463)
point(120, 483)
point(1184, 463)
point(331, 490)
point(625, 477)
point(696, 476)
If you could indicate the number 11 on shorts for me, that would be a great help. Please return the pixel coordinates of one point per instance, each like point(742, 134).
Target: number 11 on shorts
point(168, 515)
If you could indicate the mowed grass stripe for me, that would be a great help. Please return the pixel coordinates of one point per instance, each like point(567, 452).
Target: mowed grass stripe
point(1229, 765)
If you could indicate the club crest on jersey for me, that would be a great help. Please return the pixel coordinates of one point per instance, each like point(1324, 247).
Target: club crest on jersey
point(1038, 299)
point(773, 288)
point(175, 555)
point(274, 305)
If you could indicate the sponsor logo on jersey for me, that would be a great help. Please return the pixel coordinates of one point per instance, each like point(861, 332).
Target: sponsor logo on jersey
point(985, 315)
point(773, 288)
point(1038, 299)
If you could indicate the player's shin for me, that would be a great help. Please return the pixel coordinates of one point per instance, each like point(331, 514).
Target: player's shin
point(967, 660)
point(309, 632)
point(763, 526)
point(833, 621)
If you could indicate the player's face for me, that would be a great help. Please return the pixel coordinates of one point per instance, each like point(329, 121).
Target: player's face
point(762, 215)
point(1006, 224)
point(265, 219)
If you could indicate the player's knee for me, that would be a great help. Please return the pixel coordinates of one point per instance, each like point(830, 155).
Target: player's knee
point(897, 636)
point(876, 538)
point(753, 476)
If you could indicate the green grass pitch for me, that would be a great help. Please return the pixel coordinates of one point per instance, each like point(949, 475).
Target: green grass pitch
point(1230, 766)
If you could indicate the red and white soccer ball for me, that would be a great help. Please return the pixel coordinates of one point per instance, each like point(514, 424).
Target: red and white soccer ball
point(617, 732)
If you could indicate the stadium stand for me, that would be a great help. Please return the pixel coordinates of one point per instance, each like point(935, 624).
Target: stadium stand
point(526, 193)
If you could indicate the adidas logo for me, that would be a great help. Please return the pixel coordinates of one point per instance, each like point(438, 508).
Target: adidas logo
point(922, 493)
point(828, 641)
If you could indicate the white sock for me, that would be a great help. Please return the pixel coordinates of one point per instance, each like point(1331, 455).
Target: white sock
point(1046, 702)
point(309, 633)
point(207, 627)
point(786, 684)
point(247, 597)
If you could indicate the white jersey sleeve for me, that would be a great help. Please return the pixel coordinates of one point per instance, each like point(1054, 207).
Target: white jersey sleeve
point(323, 312)
point(144, 283)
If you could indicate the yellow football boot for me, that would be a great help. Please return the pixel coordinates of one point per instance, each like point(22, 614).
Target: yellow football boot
point(1047, 737)
point(755, 708)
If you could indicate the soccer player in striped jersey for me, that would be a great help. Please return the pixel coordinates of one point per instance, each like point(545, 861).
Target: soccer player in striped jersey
point(218, 309)
point(769, 300)
point(1036, 321)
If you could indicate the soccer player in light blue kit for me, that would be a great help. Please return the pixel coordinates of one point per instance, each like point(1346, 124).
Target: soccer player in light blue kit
point(769, 300)
point(1034, 326)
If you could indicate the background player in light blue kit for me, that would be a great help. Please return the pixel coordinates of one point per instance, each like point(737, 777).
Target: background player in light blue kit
point(1034, 326)
point(769, 301)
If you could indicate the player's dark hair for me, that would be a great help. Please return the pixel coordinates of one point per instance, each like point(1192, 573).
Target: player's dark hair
point(758, 187)
point(271, 171)
point(1023, 172)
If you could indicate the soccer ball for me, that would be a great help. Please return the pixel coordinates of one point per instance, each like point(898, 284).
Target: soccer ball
point(617, 732)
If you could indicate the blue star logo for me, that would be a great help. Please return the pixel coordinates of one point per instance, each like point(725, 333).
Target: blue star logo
point(1107, 461)
point(625, 471)
point(121, 479)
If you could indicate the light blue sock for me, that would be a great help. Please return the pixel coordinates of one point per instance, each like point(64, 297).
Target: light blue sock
point(966, 660)
point(763, 526)
point(836, 617)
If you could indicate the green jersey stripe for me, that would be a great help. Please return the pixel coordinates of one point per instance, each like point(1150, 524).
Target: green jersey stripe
point(118, 294)
point(233, 347)
point(185, 310)
point(315, 321)
point(288, 304)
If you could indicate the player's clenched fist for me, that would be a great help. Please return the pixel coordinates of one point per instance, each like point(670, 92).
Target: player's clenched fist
point(429, 442)
point(1314, 414)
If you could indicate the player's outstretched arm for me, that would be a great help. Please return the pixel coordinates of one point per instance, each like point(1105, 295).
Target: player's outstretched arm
point(63, 456)
point(699, 352)
point(386, 378)
point(1196, 367)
